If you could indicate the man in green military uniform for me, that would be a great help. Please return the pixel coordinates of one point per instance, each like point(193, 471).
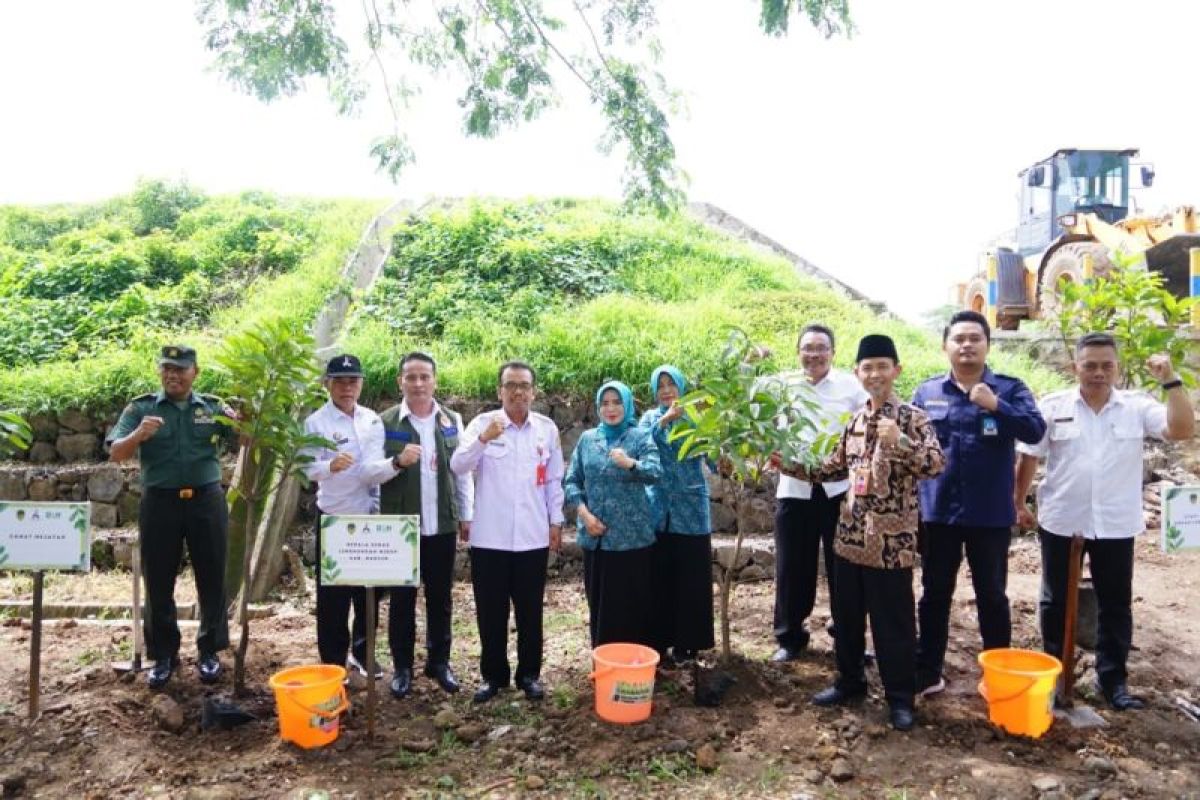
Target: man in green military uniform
point(177, 439)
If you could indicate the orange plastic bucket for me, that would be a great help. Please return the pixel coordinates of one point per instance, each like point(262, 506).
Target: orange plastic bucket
point(1018, 686)
point(309, 700)
point(624, 676)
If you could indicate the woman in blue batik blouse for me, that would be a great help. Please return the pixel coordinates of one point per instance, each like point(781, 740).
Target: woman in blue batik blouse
point(682, 564)
point(606, 483)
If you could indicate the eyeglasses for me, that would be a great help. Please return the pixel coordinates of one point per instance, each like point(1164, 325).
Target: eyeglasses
point(517, 387)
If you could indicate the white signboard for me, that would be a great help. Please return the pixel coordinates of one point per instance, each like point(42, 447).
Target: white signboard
point(1180, 518)
point(370, 550)
point(45, 536)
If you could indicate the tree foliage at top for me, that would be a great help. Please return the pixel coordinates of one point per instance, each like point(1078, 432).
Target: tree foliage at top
point(509, 58)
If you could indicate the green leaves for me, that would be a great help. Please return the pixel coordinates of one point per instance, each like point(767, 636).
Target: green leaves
point(739, 418)
point(329, 569)
point(509, 57)
point(1130, 303)
point(15, 434)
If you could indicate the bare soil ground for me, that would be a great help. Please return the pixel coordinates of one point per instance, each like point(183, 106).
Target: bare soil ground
point(98, 736)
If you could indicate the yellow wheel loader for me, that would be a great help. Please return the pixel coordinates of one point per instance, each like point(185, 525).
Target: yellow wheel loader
point(1074, 205)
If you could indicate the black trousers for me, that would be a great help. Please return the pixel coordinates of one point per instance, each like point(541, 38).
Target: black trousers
point(683, 591)
point(886, 595)
point(500, 578)
point(437, 576)
point(619, 594)
point(941, 557)
point(1111, 566)
point(165, 522)
point(333, 610)
point(802, 529)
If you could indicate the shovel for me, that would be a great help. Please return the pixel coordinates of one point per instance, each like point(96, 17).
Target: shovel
point(135, 665)
point(1084, 716)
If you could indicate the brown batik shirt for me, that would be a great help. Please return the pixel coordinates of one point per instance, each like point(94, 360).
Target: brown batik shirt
point(878, 523)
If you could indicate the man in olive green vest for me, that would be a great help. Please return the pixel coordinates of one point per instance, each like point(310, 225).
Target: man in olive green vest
point(176, 436)
point(421, 436)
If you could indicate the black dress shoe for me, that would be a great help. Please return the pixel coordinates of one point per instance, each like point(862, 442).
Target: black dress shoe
point(902, 717)
point(836, 696)
point(444, 677)
point(161, 672)
point(401, 683)
point(209, 667)
point(1119, 698)
point(532, 688)
point(485, 692)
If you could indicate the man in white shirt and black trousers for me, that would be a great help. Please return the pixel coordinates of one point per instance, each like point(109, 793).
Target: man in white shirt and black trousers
point(1093, 486)
point(807, 515)
point(346, 478)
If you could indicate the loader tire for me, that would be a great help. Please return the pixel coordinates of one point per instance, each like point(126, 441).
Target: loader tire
point(1066, 264)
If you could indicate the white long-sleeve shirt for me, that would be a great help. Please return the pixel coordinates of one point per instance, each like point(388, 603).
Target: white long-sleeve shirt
point(353, 490)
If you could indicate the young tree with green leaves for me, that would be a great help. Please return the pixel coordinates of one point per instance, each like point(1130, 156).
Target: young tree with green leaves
point(509, 58)
point(739, 419)
point(272, 378)
point(1131, 303)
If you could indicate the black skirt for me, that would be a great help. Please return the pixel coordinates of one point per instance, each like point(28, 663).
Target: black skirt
point(683, 593)
point(618, 588)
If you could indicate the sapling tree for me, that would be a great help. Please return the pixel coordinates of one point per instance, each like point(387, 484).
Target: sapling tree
point(272, 378)
point(738, 419)
point(1131, 303)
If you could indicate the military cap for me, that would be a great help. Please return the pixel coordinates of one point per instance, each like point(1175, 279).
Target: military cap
point(178, 355)
point(344, 366)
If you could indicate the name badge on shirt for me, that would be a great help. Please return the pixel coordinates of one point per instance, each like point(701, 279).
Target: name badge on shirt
point(398, 436)
point(989, 426)
point(862, 481)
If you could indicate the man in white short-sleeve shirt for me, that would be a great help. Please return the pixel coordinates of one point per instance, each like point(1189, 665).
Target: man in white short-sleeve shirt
point(1093, 486)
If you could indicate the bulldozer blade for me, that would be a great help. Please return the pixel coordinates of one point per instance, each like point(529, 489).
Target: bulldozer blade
point(1081, 717)
point(1170, 257)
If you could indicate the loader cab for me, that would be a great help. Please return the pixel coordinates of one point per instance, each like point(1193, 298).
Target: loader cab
point(1072, 181)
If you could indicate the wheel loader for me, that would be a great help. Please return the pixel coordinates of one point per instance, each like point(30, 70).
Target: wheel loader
point(1074, 208)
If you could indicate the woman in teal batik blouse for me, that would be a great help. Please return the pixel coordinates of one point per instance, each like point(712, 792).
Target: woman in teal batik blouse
point(682, 563)
point(606, 483)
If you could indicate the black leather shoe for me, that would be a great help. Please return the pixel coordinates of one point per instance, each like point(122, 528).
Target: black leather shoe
point(785, 654)
point(161, 672)
point(532, 688)
point(209, 667)
point(401, 683)
point(444, 677)
point(485, 692)
point(836, 696)
point(902, 717)
point(1119, 698)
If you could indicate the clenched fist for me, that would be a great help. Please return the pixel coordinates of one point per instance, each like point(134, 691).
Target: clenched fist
point(1159, 366)
point(410, 455)
point(494, 430)
point(621, 458)
point(982, 395)
point(148, 427)
point(340, 462)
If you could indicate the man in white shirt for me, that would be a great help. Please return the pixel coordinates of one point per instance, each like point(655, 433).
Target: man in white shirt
point(346, 478)
point(1093, 486)
point(421, 435)
point(808, 513)
point(517, 459)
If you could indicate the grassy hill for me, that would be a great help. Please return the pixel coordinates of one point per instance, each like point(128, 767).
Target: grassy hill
point(88, 293)
point(585, 291)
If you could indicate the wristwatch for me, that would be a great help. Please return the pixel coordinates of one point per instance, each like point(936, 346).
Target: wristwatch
point(396, 465)
point(1169, 385)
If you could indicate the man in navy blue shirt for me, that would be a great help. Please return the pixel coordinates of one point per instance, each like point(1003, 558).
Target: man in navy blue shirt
point(979, 416)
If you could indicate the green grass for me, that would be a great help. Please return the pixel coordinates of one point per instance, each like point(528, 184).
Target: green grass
point(475, 286)
point(108, 376)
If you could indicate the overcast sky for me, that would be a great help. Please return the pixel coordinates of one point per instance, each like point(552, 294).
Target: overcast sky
point(888, 159)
